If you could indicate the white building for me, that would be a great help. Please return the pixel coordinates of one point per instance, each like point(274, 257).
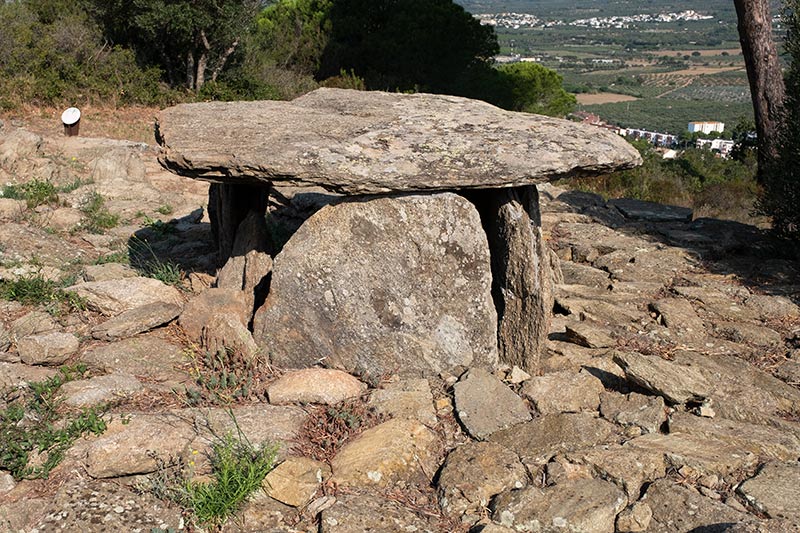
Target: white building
point(706, 127)
point(722, 146)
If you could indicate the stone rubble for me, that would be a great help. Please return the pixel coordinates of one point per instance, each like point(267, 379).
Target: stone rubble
point(605, 437)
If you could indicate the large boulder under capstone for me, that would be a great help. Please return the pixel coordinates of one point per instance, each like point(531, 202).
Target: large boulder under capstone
point(382, 285)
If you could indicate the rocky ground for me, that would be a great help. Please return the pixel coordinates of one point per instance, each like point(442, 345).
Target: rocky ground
point(667, 400)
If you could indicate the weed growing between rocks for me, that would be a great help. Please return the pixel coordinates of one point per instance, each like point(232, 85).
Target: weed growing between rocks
point(35, 433)
point(35, 192)
point(327, 429)
point(238, 468)
point(35, 289)
point(98, 217)
point(225, 376)
point(145, 260)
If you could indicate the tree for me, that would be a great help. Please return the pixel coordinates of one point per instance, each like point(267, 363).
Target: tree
point(405, 44)
point(780, 196)
point(765, 77)
point(535, 89)
point(191, 40)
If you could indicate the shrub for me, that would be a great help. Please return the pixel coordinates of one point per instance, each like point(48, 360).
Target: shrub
point(98, 217)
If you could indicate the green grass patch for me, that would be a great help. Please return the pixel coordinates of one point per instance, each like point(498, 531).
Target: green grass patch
point(35, 289)
point(98, 217)
point(145, 260)
point(114, 257)
point(35, 433)
point(35, 192)
point(165, 209)
point(238, 468)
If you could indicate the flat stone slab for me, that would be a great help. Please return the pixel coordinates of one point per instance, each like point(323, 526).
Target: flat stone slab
point(360, 142)
point(651, 211)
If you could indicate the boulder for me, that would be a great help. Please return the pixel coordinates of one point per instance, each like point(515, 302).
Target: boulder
point(681, 508)
point(374, 142)
point(215, 302)
point(383, 285)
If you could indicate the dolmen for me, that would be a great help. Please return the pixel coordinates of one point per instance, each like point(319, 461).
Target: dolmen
point(433, 259)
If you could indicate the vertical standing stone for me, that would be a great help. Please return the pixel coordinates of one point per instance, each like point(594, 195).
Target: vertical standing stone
point(522, 284)
point(228, 206)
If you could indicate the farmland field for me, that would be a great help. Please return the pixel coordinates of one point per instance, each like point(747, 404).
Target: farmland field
point(603, 98)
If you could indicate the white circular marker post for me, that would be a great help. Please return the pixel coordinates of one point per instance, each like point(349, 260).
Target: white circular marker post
point(72, 121)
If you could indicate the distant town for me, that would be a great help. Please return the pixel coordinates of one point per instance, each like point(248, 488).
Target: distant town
point(526, 20)
point(723, 147)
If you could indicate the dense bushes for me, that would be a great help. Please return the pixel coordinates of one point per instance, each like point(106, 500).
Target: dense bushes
point(712, 186)
point(48, 60)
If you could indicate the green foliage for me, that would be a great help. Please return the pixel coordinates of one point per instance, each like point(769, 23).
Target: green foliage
point(52, 52)
point(189, 40)
point(224, 376)
point(238, 469)
point(98, 217)
point(35, 192)
point(34, 289)
point(293, 34)
point(32, 426)
point(411, 45)
point(535, 89)
point(144, 259)
point(114, 257)
point(697, 178)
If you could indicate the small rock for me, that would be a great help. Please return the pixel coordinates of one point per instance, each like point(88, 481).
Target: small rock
point(367, 460)
point(634, 409)
point(676, 383)
point(564, 392)
point(358, 513)
point(108, 272)
point(150, 356)
point(629, 468)
point(586, 505)
point(775, 491)
point(409, 398)
point(588, 335)
point(214, 302)
point(482, 418)
point(537, 441)
point(314, 385)
point(635, 518)
point(63, 218)
point(225, 332)
point(296, 480)
point(320, 504)
point(135, 321)
point(7, 482)
point(130, 445)
point(11, 209)
point(112, 297)
point(680, 508)
point(517, 375)
point(474, 473)
point(702, 455)
point(47, 348)
point(99, 389)
point(31, 324)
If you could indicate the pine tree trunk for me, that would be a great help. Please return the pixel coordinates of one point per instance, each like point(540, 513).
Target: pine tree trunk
point(764, 73)
point(190, 70)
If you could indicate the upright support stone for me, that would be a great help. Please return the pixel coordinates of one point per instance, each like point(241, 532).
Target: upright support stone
point(228, 206)
point(522, 279)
